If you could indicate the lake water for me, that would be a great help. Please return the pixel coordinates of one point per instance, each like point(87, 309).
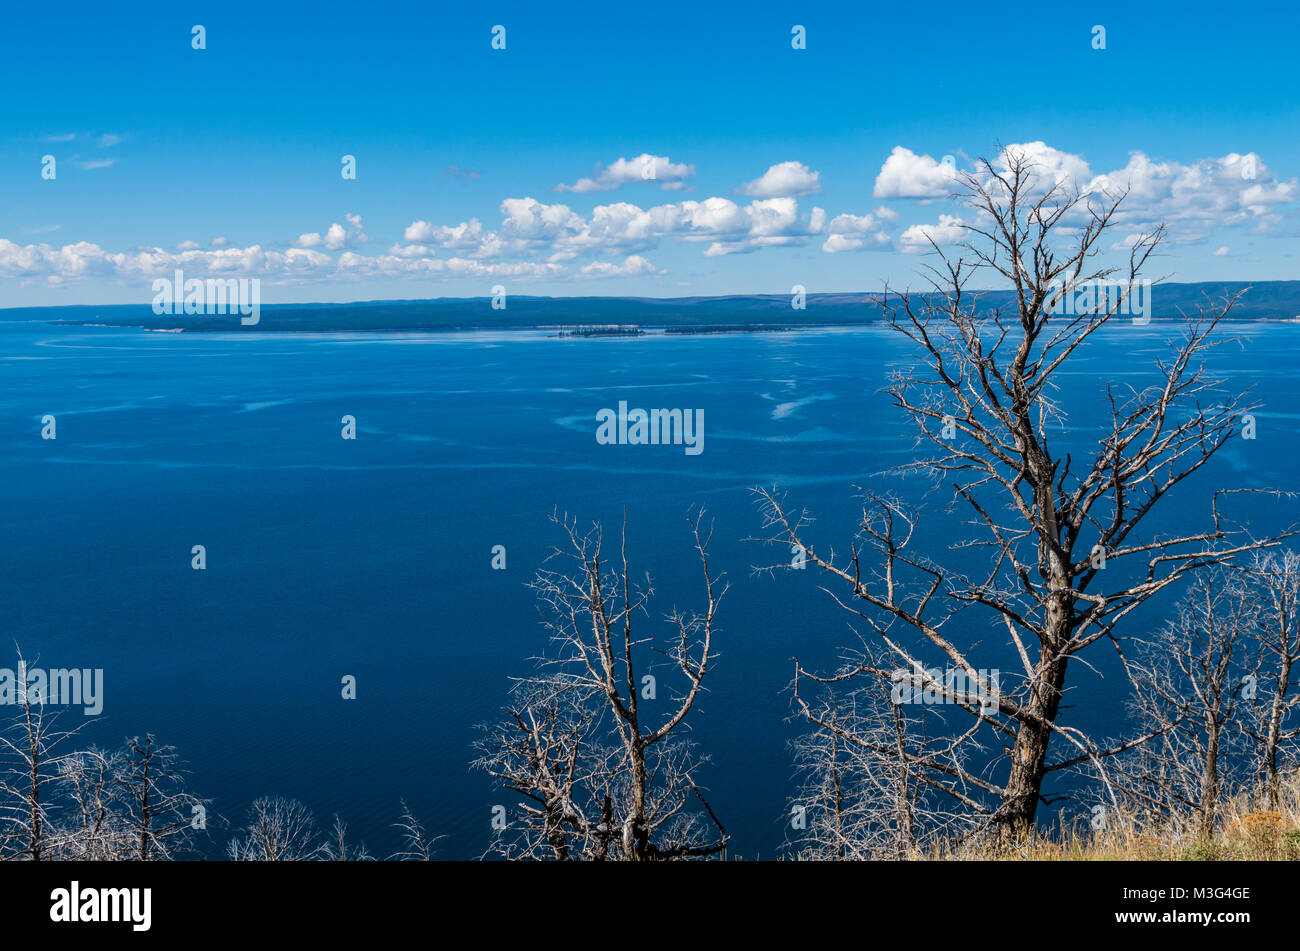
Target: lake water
point(328, 557)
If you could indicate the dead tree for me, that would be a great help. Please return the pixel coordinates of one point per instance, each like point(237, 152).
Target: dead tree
point(1275, 578)
point(278, 830)
point(95, 829)
point(1062, 537)
point(1188, 684)
point(160, 812)
point(601, 768)
point(30, 746)
point(862, 795)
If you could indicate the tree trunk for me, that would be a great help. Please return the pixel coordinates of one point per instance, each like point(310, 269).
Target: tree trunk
point(636, 845)
point(1210, 781)
point(1273, 740)
point(1019, 807)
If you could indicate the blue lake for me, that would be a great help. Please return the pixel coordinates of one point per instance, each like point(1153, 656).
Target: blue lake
point(328, 557)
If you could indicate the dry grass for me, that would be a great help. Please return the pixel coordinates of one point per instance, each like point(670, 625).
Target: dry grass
point(1247, 830)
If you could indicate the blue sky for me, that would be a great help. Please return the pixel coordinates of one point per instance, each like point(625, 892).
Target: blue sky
point(770, 162)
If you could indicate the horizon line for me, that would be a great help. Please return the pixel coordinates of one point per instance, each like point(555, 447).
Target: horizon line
point(629, 297)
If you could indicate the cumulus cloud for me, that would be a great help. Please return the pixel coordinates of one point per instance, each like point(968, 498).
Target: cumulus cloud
point(1049, 167)
point(539, 240)
point(1195, 198)
point(529, 220)
point(467, 234)
point(353, 265)
point(656, 169)
point(851, 232)
point(634, 264)
point(917, 238)
point(1129, 241)
point(908, 175)
point(784, 180)
point(529, 226)
point(336, 237)
point(87, 260)
point(532, 227)
point(1192, 198)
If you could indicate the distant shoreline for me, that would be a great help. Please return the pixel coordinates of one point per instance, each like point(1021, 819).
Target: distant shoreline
point(577, 333)
point(553, 333)
point(1264, 301)
point(583, 333)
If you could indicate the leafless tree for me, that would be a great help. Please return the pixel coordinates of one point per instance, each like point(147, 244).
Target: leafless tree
point(862, 794)
point(1063, 540)
point(95, 829)
point(1188, 683)
point(160, 811)
point(278, 830)
point(601, 770)
point(31, 763)
point(1276, 580)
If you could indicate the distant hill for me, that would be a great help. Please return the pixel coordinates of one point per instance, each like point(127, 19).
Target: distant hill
point(1267, 300)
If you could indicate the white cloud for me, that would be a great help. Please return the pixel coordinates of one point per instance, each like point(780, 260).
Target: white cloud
point(534, 239)
point(86, 260)
point(908, 175)
point(654, 169)
point(357, 266)
point(1050, 166)
point(851, 232)
point(467, 234)
point(1192, 199)
point(1221, 252)
point(784, 180)
point(634, 264)
point(532, 227)
point(1129, 241)
point(529, 220)
point(917, 238)
point(336, 237)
